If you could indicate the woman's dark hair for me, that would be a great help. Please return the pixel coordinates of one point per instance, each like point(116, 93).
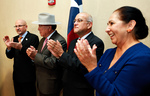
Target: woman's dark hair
point(54, 27)
point(127, 14)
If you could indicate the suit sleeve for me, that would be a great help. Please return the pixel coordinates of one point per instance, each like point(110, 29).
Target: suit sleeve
point(10, 54)
point(46, 59)
point(72, 62)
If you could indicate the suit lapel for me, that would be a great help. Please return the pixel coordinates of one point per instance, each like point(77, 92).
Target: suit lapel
point(40, 45)
point(53, 37)
point(25, 38)
point(89, 37)
point(72, 46)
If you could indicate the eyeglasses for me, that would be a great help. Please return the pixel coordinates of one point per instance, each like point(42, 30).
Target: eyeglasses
point(18, 26)
point(77, 20)
point(80, 20)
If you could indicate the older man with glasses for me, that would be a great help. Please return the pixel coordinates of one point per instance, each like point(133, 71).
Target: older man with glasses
point(74, 82)
point(24, 69)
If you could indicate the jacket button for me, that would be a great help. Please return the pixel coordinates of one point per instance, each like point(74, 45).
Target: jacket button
point(115, 72)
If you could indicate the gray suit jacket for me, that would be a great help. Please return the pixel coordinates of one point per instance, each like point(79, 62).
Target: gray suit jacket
point(47, 70)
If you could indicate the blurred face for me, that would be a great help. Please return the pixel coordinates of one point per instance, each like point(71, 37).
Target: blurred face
point(117, 29)
point(20, 27)
point(44, 30)
point(80, 24)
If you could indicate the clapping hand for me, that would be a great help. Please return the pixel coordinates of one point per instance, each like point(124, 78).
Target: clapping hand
point(31, 52)
point(55, 48)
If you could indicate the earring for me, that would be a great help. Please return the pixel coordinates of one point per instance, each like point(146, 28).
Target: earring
point(129, 30)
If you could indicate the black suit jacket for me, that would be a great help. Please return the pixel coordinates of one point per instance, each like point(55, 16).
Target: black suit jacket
point(73, 78)
point(47, 70)
point(23, 68)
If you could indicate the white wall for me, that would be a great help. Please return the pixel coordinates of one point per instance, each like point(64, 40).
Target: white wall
point(11, 10)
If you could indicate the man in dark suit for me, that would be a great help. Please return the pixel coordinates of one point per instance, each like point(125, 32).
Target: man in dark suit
point(47, 70)
point(74, 83)
point(24, 69)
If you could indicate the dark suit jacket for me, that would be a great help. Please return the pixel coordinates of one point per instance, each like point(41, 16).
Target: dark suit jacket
point(74, 81)
point(24, 69)
point(47, 70)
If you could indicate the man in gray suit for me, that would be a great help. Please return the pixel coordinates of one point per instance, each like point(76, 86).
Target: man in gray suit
point(48, 72)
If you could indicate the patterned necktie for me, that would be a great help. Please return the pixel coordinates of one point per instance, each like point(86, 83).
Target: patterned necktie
point(19, 39)
point(44, 44)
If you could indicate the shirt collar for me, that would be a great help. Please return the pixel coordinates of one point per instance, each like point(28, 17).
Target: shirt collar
point(85, 36)
point(51, 35)
point(24, 35)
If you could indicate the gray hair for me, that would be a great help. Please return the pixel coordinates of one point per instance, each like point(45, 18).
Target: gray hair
point(89, 19)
